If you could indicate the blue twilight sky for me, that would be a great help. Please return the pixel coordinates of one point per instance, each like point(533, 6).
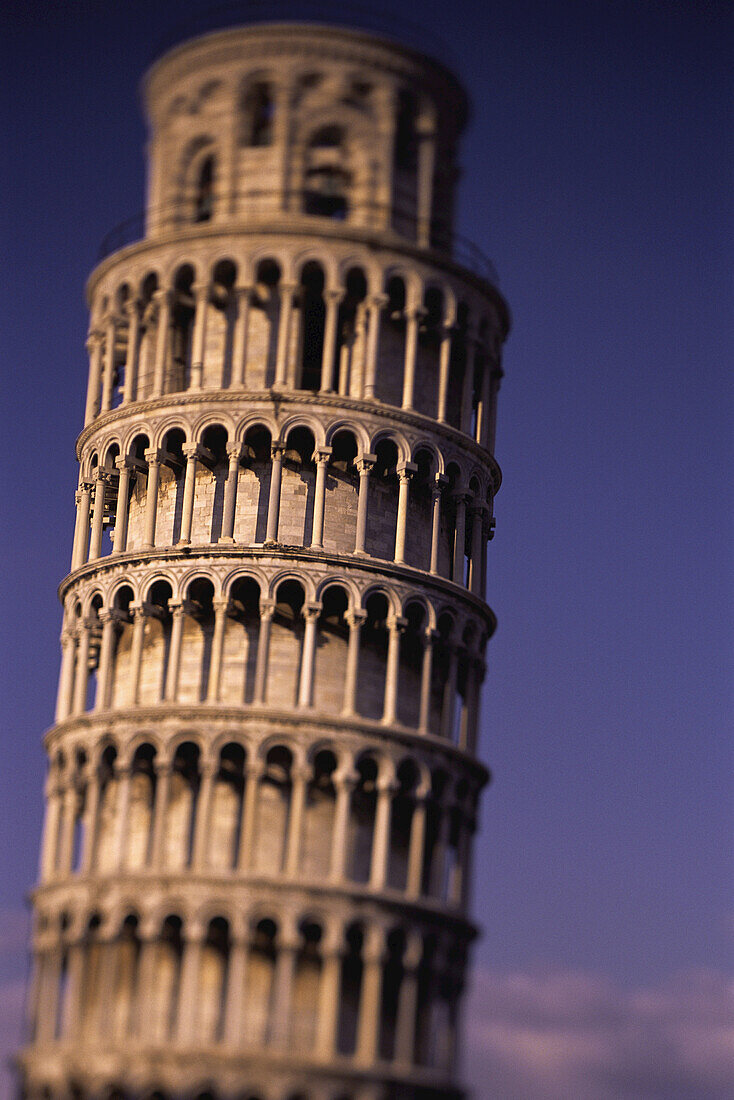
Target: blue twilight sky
point(597, 174)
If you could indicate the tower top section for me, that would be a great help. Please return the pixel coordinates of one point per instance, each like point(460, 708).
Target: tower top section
point(281, 122)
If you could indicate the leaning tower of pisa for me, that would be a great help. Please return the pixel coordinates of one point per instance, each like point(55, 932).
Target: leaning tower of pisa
point(263, 773)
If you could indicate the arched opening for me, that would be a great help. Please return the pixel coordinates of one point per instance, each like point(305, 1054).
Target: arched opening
point(156, 643)
point(220, 326)
point(392, 978)
point(286, 639)
point(430, 335)
point(196, 641)
point(383, 501)
point(120, 694)
point(351, 989)
point(166, 984)
point(212, 991)
point(433, 845)
point(457, 367)
point(327, 179)
point(208, 509)
point(263, 327)
point(363, 804)
point(147, 337)
point(183, 312)
point(105, 855)
point(273, 811)
point(139, 831)
point(253, 490)
point(401, 824)
point(134, 520)
point(258, 112)
point(171, 482)
point(373, 657)
point(349, 362)
point(260, 973)
point(239, 657)
point(204, 198)
point(389, 380)
point(313, 314)
point(127, 947)
point(342, 489)
point(318, 818)
point(306, 984)
point(419, 528)
point(412, 646)
point(331, 650)
point(299, 472)
point(180, 820)
point(223, 835)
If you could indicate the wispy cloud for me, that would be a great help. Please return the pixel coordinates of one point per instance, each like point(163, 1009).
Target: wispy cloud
point(576, 1036)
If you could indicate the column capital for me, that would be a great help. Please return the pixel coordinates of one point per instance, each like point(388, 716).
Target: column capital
point(132, 306)
point(124, 462)
point(365, 463)
point(378, 301)
point(461, 496)
point(201, 290)
point(406, 470)
point(322, 454)
point(94, 339)
point(396, 622)
point(234, 450)
point(243, 290)
point(277, 449)
point(267, 608)
point(334, 294)
point(153, 456)
point(190, 450)
point(254, 769)
point(285, 286)
point(220, 605)
point(176, 607)
point(311, 611)
point(354, 617)
point(163, 294)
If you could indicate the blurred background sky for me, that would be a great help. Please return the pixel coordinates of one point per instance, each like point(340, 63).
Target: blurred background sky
point(597, 175)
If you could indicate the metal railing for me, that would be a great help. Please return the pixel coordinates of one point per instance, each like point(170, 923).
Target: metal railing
point(398, 222)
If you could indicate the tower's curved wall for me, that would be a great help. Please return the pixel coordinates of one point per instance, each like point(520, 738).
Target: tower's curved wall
point(263, 777)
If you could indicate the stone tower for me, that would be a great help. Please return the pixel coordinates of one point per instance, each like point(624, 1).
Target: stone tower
point(263, 777)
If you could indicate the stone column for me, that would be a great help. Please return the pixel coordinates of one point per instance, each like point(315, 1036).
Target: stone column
point(413, 317)
point(189, 993)
point(215, 662)
point(287, 294)
point(424, 712)
point(174, 652)
point(254, 773)
point(202, 293)
point(51, 826)
point(321, 457)
point(449, 694)
point(299, 784)
point(109, 620)
point(74, 982)
point(138, 612)
point(103, 1022)
point(235, 1003)
point(376, 304)
point(267, 609)
point(327, 1014)
point(436, 492)
point(285, 963)
point(242, 325)
point(132, 309)
point(123, 500)
point(371, 996)
point(475, 677)
point(416, 851)
point(444, 369)
point(405, 472)
point(48, 1001)
point(203, 814)
point(484, 401)
point(438, 863)
point(354, 620)
point(108, 376)
point(66, 834)
point(277, 450)
point(66, 676)
point(141, 1015)
point(311, 614)
point(332, 300)
point(191, 453)
point(152, 457)
point(95, 543)
point(381, 840)
point(81, 672)
point(364, 465)
point(234, 453)
point(457, 574)
point(164, 301)
point(160, 810)
point(395, 625)
point(81, 529)
point(408, 1003)
point(94, 347)
point(344, 782)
